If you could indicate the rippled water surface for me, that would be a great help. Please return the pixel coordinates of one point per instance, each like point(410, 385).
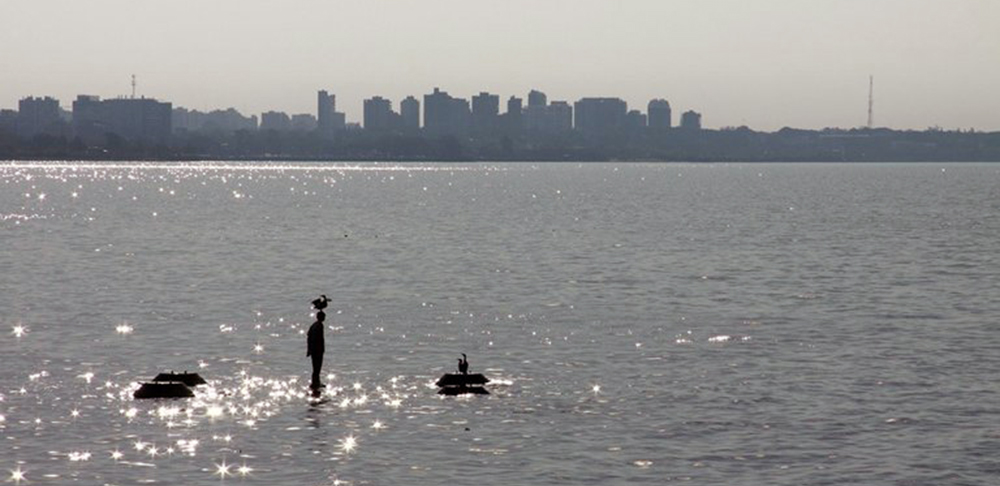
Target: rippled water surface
point(643, 324)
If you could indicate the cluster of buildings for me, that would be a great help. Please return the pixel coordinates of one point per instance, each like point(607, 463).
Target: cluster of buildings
point(228, 120)
point(147, 120)
point(447, 115)
point(439, 126)
point(35, 116)
point(92, 119)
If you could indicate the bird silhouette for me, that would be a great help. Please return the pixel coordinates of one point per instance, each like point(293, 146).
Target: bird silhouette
point(463, 364)
point(320, 303)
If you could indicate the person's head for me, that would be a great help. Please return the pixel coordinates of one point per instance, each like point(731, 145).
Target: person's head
point(320, 316)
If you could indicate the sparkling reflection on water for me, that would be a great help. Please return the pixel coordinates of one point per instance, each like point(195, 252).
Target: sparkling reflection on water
point(718, 324)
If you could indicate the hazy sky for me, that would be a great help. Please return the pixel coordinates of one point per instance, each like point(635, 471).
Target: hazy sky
point(761, 63)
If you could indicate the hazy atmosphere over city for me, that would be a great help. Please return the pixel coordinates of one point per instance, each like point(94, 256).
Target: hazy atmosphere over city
point(762, 63)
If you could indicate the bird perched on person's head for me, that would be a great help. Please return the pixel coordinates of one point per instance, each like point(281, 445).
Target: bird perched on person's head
point(320, 303)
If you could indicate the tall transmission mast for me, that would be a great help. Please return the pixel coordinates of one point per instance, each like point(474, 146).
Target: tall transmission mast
point(871, 100)
point(133, 96)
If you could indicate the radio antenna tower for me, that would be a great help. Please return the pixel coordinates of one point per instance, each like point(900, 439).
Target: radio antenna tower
point(133, 95)
point(871, 100)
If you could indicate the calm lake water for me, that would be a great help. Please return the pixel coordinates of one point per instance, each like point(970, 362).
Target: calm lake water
point(771, 324)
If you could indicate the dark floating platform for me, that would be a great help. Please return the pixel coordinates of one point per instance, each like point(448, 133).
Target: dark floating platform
point(163, 390)
point(189, 379)
point(454, 379)
point(170, 385)
point(460, 384)
point(462, 390)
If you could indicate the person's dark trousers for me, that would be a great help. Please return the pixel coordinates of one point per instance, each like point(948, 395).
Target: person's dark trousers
point(317, 364)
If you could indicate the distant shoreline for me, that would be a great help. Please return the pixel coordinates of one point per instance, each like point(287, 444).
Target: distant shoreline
point(674, 145)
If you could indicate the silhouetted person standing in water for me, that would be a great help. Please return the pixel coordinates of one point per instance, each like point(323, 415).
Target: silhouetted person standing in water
point(315, 347)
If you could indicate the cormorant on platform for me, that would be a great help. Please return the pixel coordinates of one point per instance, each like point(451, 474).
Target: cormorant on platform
point(320, 303)
point(462, 382)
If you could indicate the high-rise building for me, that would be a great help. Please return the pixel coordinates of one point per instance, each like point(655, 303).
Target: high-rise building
point(600, 115)
point(691, 120)
point(659, 114)
point(537, 98)
point(535, 113)
point(326, 105)
point(275, 120)
point(635, 120)
point(540, 116)
point(444, 115)
point(378, 114)
point(38, 115)
point(485, 113)
point(513, 121)
point(303, 122)
point(224, 121)
point(328, 120)
point(514, 106)
point(409, 112)
point(137, 119)
point(8, 121)
point(436, 110)
point(559, 117)
point(89, 120)
point(142, 119)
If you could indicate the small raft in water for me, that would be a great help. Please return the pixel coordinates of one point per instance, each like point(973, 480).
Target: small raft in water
point(463, 390)
point(189, 379)
point(164, 389)
point(170, 385)
point(455, 379)
point(459, 384)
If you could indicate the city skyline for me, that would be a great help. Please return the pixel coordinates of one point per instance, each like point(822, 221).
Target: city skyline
point(140, 118)
point(452, 129)
point(764, 64)
point(538, 108)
